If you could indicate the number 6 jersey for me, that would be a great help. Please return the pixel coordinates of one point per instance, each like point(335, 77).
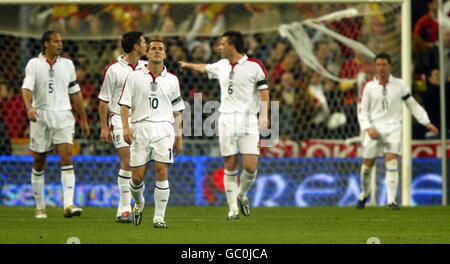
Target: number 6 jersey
point(152, 98)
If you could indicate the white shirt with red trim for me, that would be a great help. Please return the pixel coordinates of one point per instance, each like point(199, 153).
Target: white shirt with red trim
point(239, 84)
point(381, 106)
point(113, 80)
point(50, 84)
point(152, 98)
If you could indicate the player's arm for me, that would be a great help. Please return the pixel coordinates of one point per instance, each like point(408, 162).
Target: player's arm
point(104, 99)
point(197, 67)
point(364, 120)
point(419, 113)
point(124, 113)
point(125, 105)
point(103, 112)
point(78, 105)
point(264, 113)
point(27, 92)
point(178, 145)
point(27, 99)
point(177, 108)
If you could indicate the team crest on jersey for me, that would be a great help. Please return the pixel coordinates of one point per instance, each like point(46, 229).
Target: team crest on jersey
point(154, 86)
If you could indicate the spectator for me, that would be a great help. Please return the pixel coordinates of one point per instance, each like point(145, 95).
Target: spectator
point(276, 54)
point(200, 51)
point(290, 63)
point(13, 112)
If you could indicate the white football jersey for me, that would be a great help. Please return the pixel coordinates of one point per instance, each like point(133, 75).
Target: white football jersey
point(239, 84)
point(152, 98)
point(50, 84)
point(113, 80)
point(381, 106)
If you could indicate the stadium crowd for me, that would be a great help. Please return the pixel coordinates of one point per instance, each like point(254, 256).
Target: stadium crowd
point(307, 99)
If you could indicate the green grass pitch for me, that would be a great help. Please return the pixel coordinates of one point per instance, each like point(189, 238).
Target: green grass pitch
point(205, 225)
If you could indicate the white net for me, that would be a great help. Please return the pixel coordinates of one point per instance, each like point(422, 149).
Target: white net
point(316, 66)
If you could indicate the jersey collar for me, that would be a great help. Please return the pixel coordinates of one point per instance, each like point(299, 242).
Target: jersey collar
point(42, 57)
point(162, 74)
point(389, 79)
point(124, 63)
point(243, 59)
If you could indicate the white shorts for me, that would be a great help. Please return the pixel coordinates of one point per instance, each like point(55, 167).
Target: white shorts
point(51, 128)
point(238, 134)
point(116, 129)
point(151, 141)
point(386, 143)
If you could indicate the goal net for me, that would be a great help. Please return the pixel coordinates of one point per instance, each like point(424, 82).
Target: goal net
point(317, 56)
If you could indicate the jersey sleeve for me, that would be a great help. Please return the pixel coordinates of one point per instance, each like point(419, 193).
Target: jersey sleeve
point(416, 109)
point(177, 101)
point(261, 77)
point(73, 85)
point(29, 80)
point(364, 108)
point(213, 70)
point(106, 86)
point(127, 92)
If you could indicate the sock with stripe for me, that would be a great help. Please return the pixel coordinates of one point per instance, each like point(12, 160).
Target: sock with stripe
point(246, 182)
point(137, 191)
point(124, 191)
point(365, 181)
point(37, 183)
point(391, 181)
point(68, 182)
point(231, 189)
point(161, 196)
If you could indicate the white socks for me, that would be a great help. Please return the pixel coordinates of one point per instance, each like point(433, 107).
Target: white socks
point(231, 189)
point(365, 175)
point(246, 182)
point(37, 183)
point(137, 191)
point(391, 181)
point(68, 182)
point(161, 196)
point(124, 191)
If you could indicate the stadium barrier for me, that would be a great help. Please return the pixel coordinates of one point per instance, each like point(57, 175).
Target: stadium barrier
point(301, 182)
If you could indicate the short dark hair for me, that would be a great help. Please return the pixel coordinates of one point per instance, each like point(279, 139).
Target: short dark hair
point(235, 38)
point(383, 56)
point(130, 39)
point(46, 37)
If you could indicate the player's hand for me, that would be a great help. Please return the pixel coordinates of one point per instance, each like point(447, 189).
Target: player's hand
point(263, 122)
point(433, 129)
point(105, 135)
point(127, 135)
point(32, 114)
point(183, 65)
point(85, 130)
point(178, 146)
point(373, 134)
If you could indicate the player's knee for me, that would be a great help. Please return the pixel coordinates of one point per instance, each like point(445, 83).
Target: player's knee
point(250, 169)
point(66, 159)
point(136, 180)
point(369, 163)
point(161, 174)
point(39, 163)
point(125, 165)
point(392, 165)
